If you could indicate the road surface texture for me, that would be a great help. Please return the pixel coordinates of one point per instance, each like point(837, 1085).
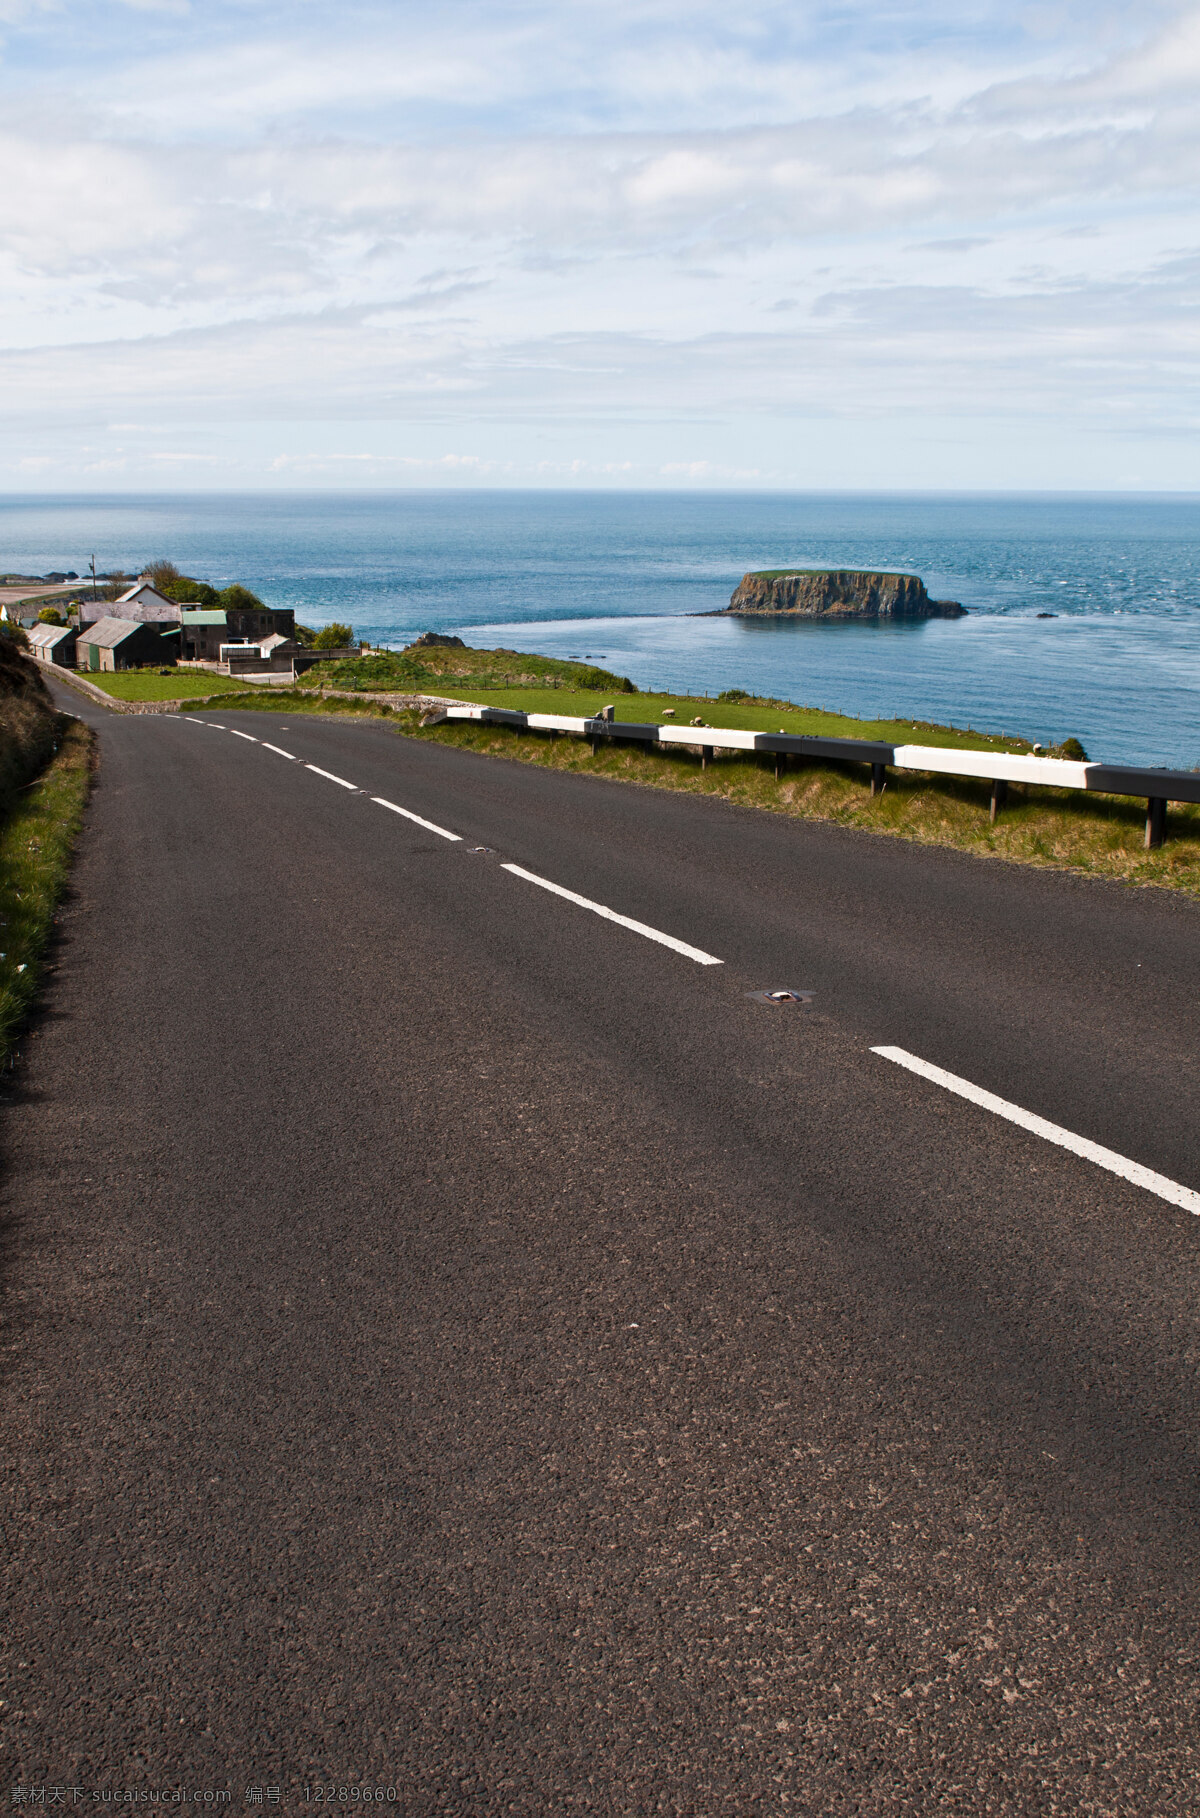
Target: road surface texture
point(460, 1344)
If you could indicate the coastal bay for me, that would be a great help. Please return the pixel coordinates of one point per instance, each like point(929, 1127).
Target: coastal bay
point(617, 578)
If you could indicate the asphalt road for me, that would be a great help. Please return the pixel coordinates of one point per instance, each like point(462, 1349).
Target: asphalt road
point(459, 1344)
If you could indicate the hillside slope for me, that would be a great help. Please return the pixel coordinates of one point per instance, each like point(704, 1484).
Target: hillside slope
point(30, 727)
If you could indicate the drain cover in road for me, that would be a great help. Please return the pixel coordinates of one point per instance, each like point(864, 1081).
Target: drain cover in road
point(782, 997)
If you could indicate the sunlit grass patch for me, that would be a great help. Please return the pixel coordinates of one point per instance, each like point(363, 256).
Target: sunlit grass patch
point(148, 685)
point(749, 715)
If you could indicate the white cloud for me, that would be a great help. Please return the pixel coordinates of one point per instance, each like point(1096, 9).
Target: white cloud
point(514, 213)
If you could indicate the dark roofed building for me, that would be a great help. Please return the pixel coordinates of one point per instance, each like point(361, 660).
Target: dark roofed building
point(54, 644)
point(122, 644)
point(203, 633)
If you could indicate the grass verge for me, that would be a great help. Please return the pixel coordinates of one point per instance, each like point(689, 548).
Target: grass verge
point(288, 700)
point(1098, 835)
point(148, 685)
point(36, 843)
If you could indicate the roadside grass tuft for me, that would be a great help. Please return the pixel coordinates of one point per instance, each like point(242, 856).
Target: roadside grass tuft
point(288, 700)
point(36, 844)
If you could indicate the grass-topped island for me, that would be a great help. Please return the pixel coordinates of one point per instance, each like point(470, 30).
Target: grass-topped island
point(837, 593)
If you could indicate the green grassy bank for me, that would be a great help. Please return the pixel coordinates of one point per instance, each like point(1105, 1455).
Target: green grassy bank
point(36, 843)
point(447, 669)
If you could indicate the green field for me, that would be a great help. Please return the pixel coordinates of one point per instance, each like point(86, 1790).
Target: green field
point(148, 685)
point(537, 684)
point(742, 716)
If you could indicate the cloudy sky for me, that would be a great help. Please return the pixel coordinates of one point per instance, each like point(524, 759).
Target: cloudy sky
point(901, 244)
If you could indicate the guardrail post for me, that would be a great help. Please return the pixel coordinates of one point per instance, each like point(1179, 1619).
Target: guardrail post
point(999, 796)
point(878, 778)
point(706, 752)
point(1156, 821)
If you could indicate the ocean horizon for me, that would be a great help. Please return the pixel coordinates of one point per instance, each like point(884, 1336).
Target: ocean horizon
point(621, 579)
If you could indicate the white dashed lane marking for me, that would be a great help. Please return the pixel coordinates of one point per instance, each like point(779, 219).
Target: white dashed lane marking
point(610, 915)
point(330, 778)
point(1170, 1190)
point(1132, 1171)
point(531, 877)
point(430, 826)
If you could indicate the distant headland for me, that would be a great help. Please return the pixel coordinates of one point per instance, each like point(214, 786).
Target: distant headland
point(836, 593)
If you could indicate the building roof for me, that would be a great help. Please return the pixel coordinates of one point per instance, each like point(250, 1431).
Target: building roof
point(204, 617)
point(47, 636)
point(147, 597)
point(108, 633)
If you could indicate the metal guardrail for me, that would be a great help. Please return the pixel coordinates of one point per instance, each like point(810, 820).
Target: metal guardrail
point(1155, 787)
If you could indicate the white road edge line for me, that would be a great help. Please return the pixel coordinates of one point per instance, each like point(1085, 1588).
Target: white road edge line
point(610, 915)
point(279, 751)
point(1132, 1171)
point(330, 778)
point(430, 826)
point(243, 735)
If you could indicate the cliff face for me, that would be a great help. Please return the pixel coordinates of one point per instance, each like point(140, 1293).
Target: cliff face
point(840, 593)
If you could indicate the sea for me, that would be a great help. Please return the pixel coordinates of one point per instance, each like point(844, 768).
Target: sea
point(1083, 611)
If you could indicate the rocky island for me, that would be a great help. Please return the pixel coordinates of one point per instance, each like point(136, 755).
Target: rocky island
point(837, 593)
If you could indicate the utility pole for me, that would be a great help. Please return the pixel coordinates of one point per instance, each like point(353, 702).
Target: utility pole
point(94, 594)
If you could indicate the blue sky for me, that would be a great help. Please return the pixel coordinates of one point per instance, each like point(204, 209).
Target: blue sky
point(907, 246)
